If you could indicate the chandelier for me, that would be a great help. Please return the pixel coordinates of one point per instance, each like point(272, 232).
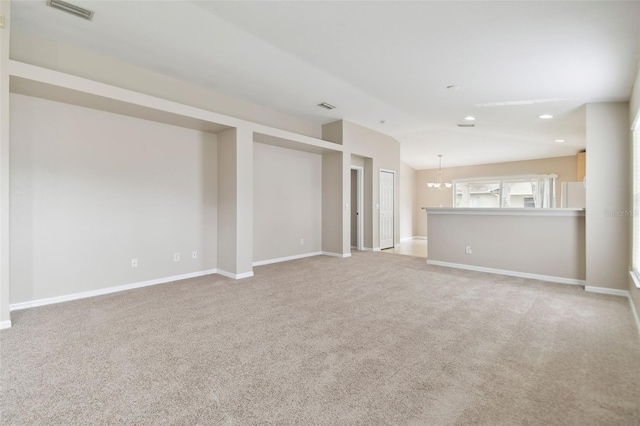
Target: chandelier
point(439, 185)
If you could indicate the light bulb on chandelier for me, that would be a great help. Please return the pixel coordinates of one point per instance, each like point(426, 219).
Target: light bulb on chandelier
point(439, 185)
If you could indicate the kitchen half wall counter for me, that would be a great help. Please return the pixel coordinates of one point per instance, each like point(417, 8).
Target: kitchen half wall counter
point(546, 244)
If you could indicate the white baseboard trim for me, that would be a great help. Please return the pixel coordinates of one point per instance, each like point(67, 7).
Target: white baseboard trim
point(419, 238)
point(616, 292)
point(371, 249)
point(7, 324)
point(108, 290)
point(540, 277)
point(635, 313)
point(604, 290)
point(328, 253)
point(286, 258)
point(235, 276)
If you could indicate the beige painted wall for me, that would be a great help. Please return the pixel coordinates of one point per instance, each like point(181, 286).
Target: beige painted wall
point(409, 211)
point(50, 54)
point(244, 200)
point(634, 117)
point(369, 206)
point(381, 152)
point(227, 223)
point(335, 175)
point(235, 202)
point(333, 132)
point(5, 319)
point(90, 190)
point(608, 188)
point(357, 161)
point(543, 245)
point(287, 205)
point(564, 167)
point(377, 151)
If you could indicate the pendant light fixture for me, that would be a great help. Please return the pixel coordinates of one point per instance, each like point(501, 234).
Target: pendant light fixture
point(439, 185)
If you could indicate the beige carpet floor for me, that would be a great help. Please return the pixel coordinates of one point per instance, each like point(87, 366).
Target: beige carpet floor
point(372, 339)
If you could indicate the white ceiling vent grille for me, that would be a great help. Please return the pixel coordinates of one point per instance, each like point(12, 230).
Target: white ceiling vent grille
point(466, 125)
point(326, 105)
point(71, 8)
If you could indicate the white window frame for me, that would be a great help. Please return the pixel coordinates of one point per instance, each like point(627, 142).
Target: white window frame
point(502, 179)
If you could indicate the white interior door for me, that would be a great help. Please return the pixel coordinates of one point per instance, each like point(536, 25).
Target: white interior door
point(386, 209)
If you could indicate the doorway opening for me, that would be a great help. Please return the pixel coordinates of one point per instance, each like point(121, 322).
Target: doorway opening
point(357, 204)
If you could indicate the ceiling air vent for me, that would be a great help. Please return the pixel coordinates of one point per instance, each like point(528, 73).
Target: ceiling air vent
point(326, 105)
point(71, 8)
point(466, 125)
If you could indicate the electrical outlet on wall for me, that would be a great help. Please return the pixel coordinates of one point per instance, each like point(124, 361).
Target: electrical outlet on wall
point(176, 257)
point(194, 254)
point(134, 262)
point(468, 250)
point(301, 241)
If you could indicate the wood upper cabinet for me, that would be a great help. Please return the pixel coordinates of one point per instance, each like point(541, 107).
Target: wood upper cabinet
point(582, 166)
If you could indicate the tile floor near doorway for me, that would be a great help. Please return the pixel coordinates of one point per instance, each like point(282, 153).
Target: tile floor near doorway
point(417, 248)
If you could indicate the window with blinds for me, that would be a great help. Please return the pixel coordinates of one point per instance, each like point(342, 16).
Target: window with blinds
point(636, 207)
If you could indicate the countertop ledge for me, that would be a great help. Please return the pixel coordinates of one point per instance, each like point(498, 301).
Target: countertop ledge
point(504, 212)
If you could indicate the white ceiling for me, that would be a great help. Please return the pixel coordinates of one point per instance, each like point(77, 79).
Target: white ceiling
point(385, 61)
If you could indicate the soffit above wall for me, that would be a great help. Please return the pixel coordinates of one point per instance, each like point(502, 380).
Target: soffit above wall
point(62, 94)
point(320, 147)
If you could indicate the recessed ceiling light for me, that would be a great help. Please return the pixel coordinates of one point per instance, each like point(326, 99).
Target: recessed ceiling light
point(453, 87)
point(469, 118)
point(559, 140)
point(546, 116)
point(326, 105)
point(71, 8)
